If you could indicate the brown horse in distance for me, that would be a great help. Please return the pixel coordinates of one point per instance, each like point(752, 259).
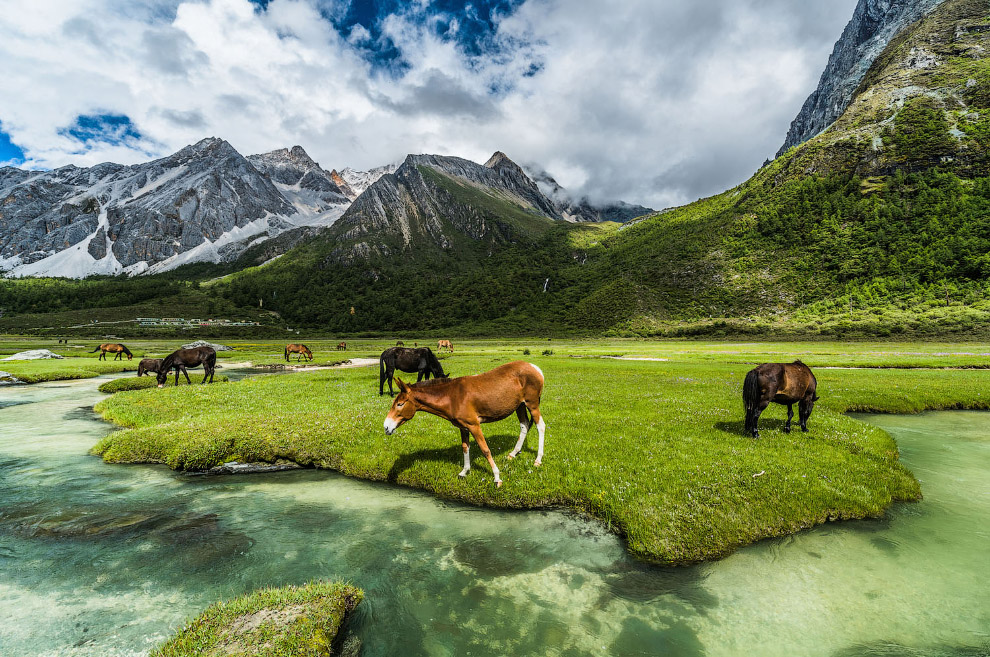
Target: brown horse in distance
point(400, 343)
point(469, 401)
point(781, 383)
point(180, 359)
point(341, 346)
point(149, 365)
point(444, 344)
point(300, 349)
point(113, 348)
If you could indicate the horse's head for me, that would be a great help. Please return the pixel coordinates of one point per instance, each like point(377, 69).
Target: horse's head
point(403, 408)
point(162, 377)
point(130, 356)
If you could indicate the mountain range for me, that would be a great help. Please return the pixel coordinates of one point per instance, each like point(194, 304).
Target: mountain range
point(206, 202)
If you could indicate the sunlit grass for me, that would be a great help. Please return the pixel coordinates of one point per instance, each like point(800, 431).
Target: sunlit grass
point(653, 449)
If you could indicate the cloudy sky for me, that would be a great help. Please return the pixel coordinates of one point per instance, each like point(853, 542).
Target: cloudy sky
point(656, 102)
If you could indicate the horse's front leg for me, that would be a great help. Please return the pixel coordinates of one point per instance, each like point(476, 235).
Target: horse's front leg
point(790, 416)
point(466, 446)
point(483, 444)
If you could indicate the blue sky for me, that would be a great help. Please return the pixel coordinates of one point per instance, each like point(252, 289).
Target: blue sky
point(653, 101)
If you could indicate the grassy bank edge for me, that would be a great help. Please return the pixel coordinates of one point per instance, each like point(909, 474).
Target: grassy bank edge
point(271, 621)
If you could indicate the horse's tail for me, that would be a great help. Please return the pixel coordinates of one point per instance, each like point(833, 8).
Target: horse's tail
point(97, 349)
point(751, 390)
point(286, 352)
point(381, 369)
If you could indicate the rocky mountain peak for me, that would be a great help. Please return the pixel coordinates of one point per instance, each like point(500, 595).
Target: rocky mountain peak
point(872, 27)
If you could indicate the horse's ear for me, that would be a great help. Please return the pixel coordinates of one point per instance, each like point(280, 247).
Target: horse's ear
point(402, 386)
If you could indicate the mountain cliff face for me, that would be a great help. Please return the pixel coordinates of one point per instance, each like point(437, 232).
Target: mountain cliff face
point(923, 103)
point(873, 25)
point(435, 201)
point(111, 218)
point(317, 196)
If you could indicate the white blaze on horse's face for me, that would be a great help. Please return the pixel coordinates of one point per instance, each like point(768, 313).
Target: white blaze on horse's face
point(402, 410)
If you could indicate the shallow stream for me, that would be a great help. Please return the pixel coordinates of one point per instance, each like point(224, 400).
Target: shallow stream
point(104, 560)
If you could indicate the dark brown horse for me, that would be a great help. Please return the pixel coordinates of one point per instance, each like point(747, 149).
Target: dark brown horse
point(341, 346)
point(113, 348)
point(469, 401)
point(180, 359)
point(300, 349)
point(149, 365)
point(782, 383)
point(400, 343)
point(420, 360)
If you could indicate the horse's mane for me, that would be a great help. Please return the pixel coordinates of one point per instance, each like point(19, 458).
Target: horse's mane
point(126, 350)
point(430, 383)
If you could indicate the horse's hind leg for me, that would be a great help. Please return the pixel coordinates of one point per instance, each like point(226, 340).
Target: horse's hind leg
point(524, 424)
point(757, 412)
point(185, 373)
point(790, 416)
point(541, 426)
point(804, 412)
point(466, 446)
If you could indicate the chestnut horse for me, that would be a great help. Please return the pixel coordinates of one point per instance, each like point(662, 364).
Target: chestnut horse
point(782, 383)
point(444, 344)
point(149, 365)
point(469, 401)
point(341, 346)
point(180, 359)
point(113, 348)
point(300, 349)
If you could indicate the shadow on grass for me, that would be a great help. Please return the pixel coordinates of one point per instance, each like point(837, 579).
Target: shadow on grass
point(738, 428)
point(500, 445)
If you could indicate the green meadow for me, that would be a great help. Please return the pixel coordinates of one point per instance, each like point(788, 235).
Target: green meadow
point(645, 437)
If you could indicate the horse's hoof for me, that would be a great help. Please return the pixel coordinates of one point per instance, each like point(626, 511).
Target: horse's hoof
point(537, 463)
point(787, 429)
point(498, 484)
point(462, 475)
point(510, 456)
point(804, 429)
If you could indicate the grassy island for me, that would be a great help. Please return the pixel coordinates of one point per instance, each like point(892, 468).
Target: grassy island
point(291, 620)
point(654, 449)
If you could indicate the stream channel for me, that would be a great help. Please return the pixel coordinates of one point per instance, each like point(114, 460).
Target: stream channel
point(108, 560)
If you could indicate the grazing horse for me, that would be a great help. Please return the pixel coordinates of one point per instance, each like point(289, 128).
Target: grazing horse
point(300, 349)
point(180, 359)
point(341, 346)
point(113, 348)
point(444, 344)
point(782, 383)
point(400, 343)
point(468, 401)
point(149, 365)
point(421, 360)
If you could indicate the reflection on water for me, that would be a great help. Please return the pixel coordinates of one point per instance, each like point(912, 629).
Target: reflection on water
point(108, 560)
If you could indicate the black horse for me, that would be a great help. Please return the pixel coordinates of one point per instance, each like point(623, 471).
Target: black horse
point(420, 360)
point(149, 365)
point(180, 359)
point(783, 383)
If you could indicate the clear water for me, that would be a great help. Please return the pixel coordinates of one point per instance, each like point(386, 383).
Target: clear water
point(108, 560)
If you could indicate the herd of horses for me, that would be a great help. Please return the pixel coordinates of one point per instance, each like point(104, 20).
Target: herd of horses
point(467, 402)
